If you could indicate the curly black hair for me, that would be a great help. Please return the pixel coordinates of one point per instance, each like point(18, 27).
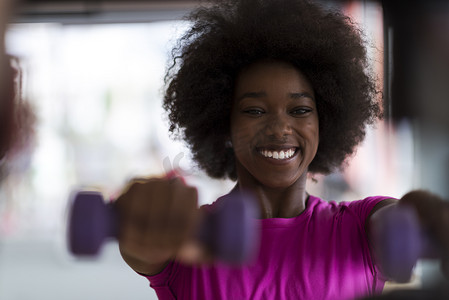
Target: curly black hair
point(230, 35)
point(17, 118)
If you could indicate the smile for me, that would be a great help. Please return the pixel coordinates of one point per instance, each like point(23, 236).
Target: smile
point(280, 155)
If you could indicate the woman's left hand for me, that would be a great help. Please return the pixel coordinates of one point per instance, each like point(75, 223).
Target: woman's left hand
point(433, 213)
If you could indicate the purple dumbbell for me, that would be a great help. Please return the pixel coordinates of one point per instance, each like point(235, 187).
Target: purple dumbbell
point(229, 230)
point(403, 242)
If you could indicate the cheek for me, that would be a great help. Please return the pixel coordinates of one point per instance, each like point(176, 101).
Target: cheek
point(316, 134)
point(241, 129)
point(241, 137)
point(313, 134)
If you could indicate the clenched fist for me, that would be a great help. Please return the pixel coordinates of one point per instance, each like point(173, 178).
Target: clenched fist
point(158, 220)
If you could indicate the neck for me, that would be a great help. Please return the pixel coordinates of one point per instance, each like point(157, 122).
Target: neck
point(284, 202)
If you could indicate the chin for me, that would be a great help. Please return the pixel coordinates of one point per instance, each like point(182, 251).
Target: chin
point(277, 184)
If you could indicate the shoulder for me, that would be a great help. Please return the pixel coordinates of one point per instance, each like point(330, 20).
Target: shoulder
point(365, 208)
point(362, 208)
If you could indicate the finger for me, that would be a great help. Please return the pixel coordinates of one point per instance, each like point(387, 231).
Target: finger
point(182, 215)
point(143, 205)
point(428, 207)
point(442, 231)
point(134, 244)
point(445, 267)
point(153, 213)
point(166, 217)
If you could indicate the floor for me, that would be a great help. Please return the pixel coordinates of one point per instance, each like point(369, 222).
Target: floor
point(43, 269)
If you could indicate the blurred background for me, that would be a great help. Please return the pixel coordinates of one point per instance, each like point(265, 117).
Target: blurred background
point(93, 73)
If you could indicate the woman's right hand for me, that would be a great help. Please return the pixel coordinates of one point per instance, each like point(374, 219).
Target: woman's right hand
point(158, 220)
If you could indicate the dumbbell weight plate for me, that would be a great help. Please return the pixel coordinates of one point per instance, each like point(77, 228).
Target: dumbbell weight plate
point(91, 221)
point(229, 228)
point(402, 243)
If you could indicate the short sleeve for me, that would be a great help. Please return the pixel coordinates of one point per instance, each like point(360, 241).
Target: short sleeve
point(160, 282)
point(362, 208)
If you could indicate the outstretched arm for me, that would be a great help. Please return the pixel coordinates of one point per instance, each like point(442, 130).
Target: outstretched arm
point(432, 218)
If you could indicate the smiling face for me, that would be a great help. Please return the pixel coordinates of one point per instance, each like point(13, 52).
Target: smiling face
point(274, 124)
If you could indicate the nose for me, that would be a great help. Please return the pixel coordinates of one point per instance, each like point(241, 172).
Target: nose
point(278, 126)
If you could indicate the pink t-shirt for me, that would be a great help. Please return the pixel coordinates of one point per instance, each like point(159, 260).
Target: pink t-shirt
point(321, 254)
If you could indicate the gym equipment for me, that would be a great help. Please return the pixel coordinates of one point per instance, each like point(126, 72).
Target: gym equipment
point(403, 241)
point(228, 230)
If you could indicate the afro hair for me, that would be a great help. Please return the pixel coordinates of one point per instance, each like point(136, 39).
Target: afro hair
point(227, 36)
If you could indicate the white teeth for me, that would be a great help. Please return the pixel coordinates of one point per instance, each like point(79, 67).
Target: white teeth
point(278, 154)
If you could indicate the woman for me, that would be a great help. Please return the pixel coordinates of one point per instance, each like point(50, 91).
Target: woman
point(264, 92)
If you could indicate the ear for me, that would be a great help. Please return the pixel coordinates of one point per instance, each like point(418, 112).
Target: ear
point(228, 143)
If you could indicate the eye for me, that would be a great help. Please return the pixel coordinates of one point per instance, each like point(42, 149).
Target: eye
point(255, 112)
point(300, 111)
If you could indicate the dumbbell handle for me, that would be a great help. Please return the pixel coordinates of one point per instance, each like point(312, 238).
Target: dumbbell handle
point(229, 231)
point(400, 242)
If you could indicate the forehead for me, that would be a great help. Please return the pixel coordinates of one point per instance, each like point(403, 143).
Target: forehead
point(267, 73)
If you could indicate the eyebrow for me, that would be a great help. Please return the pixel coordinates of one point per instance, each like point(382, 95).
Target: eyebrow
point(252, 95)
point(263, 94)
point(302, 95)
